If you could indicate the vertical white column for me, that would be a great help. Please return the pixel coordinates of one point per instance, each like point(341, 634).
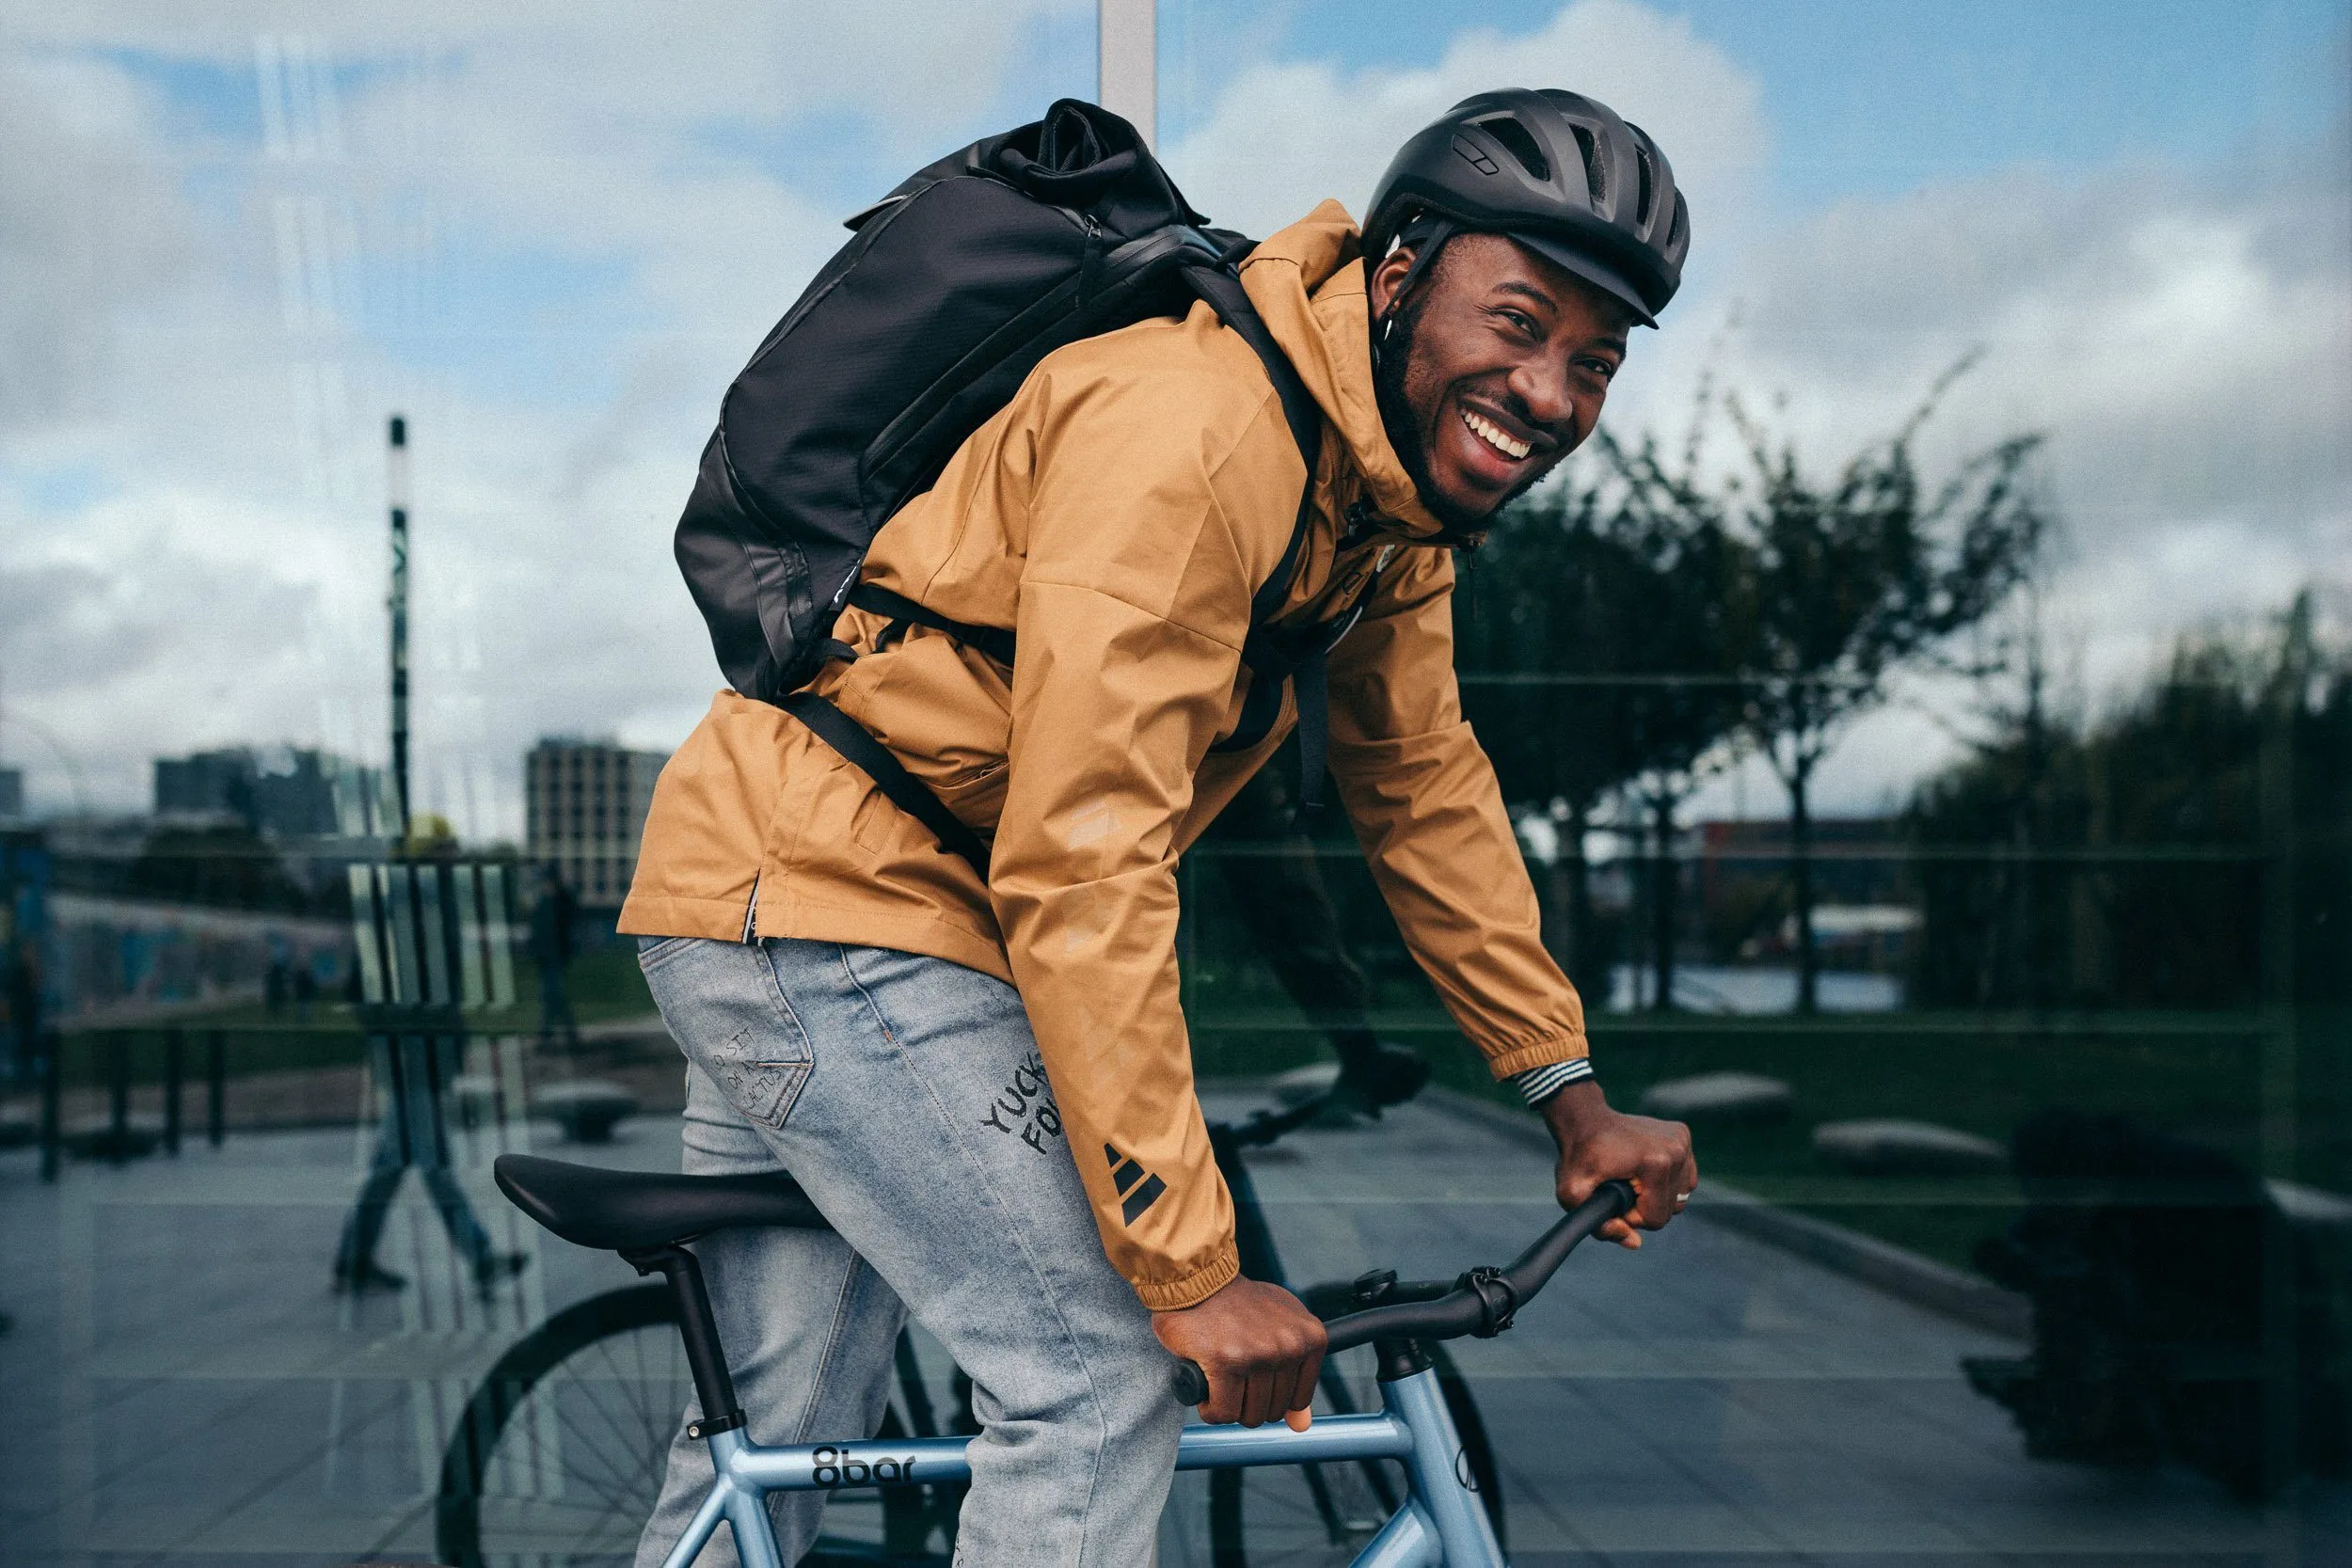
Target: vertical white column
point(1129, 54)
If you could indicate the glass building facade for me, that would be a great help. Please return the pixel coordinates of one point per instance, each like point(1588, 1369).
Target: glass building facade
point(1925, 717)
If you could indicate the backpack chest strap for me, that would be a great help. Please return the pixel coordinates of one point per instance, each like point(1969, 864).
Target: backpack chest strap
point(995, 641)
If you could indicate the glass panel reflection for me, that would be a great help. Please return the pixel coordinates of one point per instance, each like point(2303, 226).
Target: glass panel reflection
point(1925, 711)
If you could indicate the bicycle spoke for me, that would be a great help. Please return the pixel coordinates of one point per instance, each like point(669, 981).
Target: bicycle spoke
point(591, 1433)
point(628, 1493)
point(577, 1462)
point(615, 1452)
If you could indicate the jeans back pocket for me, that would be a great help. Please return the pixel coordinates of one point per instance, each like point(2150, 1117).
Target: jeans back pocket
point(762, 1072)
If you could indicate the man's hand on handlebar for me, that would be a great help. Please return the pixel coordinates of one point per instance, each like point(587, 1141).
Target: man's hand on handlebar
point(1599, 1145)
point(1261, 1347)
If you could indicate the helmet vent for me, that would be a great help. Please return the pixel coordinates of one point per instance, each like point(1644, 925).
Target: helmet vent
point(1642, 201)
point(1679, 235)
point(1516, 141)
point(1595, 171)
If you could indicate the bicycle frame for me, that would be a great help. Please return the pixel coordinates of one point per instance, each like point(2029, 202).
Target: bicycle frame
point(1440, 1521)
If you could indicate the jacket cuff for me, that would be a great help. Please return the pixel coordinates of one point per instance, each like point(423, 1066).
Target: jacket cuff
point(1539, 1084)
point(1173, 1295)
point(1541, 1053)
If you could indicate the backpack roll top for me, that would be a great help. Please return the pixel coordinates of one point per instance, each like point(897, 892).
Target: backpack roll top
point(951, 290)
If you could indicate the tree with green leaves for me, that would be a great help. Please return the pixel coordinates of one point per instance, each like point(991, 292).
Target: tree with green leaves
point(2141, 882)
point(1855, 577)
point(1591, 641)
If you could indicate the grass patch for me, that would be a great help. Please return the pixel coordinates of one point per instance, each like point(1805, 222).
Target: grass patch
point(2198, 1076)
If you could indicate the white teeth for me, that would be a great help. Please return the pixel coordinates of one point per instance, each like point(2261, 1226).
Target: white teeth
point(1486, 431)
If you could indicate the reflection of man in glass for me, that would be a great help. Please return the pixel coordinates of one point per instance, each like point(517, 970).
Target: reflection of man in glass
point(412, 1071)
point(23, 877)
point(1279, 890)
point(277, 980)
point(306, 986)
point(551, 950)
point(23, 974)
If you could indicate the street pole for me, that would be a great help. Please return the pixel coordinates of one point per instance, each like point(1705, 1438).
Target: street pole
point(1127, 63)
point(397, 470)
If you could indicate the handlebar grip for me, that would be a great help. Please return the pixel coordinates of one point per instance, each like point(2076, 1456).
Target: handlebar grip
point(1188, 1383)
point(1624, 1194)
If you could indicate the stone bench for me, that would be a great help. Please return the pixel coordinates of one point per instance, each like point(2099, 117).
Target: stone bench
point(1893, 1147)
point(586, 1109)
point(1718, 1096)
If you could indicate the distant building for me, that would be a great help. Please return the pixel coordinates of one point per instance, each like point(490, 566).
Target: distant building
point(1864, 899)
point(12, 793)
point(583, 811)
point(285, 794)
point(206, 785)
point(297, 801)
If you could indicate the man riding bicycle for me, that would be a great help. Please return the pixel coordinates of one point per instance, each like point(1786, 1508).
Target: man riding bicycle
point(985, 1083)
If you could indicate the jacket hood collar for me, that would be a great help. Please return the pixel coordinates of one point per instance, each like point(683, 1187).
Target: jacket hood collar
point(1307, 284)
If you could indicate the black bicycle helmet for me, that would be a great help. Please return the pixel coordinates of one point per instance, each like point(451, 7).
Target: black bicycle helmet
point(1556, 171)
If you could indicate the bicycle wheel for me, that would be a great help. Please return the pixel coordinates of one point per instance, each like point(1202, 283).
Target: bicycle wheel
point(1323, 1515)
point(560, 1454)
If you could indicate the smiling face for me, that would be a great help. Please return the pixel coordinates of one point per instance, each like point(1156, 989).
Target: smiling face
point(1495, 370)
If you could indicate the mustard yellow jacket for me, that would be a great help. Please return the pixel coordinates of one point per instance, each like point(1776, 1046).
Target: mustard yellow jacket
point(1118, 515)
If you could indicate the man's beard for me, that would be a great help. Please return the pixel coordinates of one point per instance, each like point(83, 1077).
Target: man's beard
point(1392, 355)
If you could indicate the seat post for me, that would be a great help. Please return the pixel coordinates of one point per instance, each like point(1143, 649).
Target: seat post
point(714, 1390)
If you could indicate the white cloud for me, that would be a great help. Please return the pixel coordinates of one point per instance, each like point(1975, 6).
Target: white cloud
point(1285, 134)
point(2189, 355)
point(206, 326)
point(2183, 337)
point(630, 69)
point(205, 336)
point(90, 231)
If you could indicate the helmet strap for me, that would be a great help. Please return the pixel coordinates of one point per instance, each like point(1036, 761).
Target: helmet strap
point(1425, 256)
point(1449, 535)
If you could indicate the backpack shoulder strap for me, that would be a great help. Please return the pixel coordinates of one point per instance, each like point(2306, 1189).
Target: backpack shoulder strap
point(1276, 661)
point(1221, 287)
point(850, 738)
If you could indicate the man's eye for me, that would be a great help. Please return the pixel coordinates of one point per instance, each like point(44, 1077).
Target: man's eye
point(1600, 368)
point(1523, 321)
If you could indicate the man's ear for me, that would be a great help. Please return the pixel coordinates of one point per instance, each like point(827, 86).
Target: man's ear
point(1387, 275)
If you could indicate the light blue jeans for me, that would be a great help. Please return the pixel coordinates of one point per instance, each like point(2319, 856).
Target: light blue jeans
point(906, 1095)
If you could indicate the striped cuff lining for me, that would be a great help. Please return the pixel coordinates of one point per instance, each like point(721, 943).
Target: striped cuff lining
point(1539, 1084)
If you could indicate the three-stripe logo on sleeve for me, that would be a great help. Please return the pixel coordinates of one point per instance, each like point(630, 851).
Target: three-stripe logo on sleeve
point(1139, 1189)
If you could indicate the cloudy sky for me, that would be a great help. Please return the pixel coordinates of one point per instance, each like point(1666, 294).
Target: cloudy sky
point(548, 234)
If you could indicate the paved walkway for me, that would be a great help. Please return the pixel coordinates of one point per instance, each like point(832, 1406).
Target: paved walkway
point(181, 1386)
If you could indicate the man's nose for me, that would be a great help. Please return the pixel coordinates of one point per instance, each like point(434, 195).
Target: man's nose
point(1541, 384)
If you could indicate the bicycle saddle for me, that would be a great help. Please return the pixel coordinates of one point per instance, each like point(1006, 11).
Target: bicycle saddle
point(620, 1211)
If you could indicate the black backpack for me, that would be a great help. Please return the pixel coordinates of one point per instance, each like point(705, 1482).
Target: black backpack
point(955, 285)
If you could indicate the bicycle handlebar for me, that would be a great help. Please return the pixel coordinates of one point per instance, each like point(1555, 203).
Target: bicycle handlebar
point(1482, 1302)
point(1268, 1127)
